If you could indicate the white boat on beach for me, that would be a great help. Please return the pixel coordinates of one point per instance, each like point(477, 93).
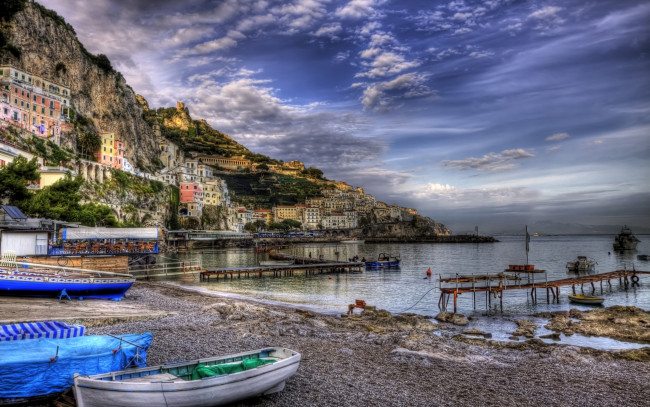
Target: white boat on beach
point(207, 382)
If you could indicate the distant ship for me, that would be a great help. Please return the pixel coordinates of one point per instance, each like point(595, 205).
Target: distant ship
point(625, 240)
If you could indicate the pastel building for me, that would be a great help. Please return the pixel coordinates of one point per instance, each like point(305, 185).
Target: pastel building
point(111, 152)
point(33, 103)
point(191, 192)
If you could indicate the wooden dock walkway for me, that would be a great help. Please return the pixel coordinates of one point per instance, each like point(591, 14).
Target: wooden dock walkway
point(625, 277)
point(283, 270)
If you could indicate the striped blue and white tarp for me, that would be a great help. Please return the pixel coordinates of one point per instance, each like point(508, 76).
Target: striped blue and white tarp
point(46, 329)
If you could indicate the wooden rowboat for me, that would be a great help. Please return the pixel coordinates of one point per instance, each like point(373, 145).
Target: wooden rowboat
point(586, 299)
point(200, 383)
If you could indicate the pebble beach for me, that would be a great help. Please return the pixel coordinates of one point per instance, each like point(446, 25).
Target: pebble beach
point(373, 358)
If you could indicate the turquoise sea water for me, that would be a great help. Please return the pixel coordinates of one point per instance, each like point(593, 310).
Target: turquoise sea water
point(410, 290)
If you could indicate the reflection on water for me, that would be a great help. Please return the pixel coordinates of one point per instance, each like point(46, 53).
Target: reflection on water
point(400, 290)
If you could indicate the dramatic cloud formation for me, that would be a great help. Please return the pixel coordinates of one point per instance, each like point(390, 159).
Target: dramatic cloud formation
point(422, 104)
point(491, 162)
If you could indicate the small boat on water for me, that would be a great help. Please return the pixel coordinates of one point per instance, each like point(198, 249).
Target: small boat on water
point(586, 299)
point(384, 260)
point(21, 279)
point(643, 256)
point(201, 383)
point(33, 369)
point(581, 264)
point(353, 241)
point(625, 240)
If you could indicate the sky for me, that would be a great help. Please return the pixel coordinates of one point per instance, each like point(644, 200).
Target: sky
point(492, 114)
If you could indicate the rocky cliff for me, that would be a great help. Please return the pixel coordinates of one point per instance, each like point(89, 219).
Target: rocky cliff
point(43, 44)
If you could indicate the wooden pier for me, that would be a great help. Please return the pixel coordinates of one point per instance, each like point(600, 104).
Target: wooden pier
point(626, 278)
point(283, 270)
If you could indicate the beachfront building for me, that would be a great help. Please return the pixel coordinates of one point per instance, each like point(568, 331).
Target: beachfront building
point(265, 215)
point(335, 221)
point(311, 217)
point(282, 212)
point(33, 103)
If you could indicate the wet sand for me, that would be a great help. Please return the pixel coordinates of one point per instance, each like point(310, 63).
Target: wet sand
point(367, 359)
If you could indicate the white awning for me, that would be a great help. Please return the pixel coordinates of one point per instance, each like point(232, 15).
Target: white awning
point(110, 233)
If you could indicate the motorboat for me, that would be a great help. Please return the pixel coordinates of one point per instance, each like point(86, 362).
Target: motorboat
point(581, 264)
point(384, 260)
point(625, 240)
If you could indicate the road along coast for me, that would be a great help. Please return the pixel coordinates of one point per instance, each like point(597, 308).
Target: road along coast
point(370, 358)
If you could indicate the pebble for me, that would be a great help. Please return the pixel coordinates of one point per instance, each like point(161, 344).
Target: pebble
point(346, 364)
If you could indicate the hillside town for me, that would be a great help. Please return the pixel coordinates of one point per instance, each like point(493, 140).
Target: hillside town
point(41, 107)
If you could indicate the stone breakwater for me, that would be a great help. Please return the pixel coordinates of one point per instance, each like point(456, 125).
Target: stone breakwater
point(378, 359)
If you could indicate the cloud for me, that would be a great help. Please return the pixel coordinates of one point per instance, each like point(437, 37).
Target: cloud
point(358, 9)
point(218, 44)
point(385, 63)
point(329, 30)
point(491, 162)
point(557, 137)
point(381, 95)
point(546, 18)
point(463, 30)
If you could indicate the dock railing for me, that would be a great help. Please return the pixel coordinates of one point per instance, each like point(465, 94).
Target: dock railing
point(174, 268)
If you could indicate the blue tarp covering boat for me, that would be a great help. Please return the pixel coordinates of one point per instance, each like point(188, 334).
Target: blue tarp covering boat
point(45, 329)
point(44, 366)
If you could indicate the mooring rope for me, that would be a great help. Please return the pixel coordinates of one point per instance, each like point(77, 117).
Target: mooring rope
point(418, 300)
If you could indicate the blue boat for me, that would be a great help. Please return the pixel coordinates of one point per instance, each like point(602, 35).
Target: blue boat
point(62, 283)
point(39, 368)
point(384, 260)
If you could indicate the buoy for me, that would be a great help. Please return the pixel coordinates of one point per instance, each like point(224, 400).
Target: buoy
point(330, 277)
point(429, 271)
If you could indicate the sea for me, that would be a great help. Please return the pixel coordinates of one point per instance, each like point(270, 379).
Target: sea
point(410, 288)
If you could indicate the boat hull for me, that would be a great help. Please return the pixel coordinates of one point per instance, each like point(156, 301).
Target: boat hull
point(382, 264)
point(214, 391)
point(586, 299)
point(76, 287)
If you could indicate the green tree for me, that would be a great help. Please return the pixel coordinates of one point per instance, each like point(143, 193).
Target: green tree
point(61, 201)
point(57, 201)
point(14, 179)
point(88, 143)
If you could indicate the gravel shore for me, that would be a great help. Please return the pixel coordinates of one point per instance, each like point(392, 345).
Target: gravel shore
point(377, 359)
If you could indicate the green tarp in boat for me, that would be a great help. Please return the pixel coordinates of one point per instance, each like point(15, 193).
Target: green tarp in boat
point(202, 371)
